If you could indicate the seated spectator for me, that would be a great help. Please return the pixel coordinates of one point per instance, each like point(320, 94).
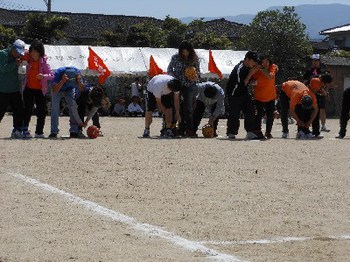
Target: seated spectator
point(119, 108)
point(134, 109)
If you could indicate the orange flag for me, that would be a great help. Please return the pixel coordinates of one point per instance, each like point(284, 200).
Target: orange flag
point(212, 65)
point(96, 63)
point(154, 69)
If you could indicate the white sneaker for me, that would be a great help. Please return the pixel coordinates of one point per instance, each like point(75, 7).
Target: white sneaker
point(285, 135)
point(27, 135)
point(39, 136)
point(325, 129)
point(231, 136)
point(16, 135)
point(300, 135)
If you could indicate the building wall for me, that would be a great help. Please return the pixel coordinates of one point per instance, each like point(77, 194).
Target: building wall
point(339, 73)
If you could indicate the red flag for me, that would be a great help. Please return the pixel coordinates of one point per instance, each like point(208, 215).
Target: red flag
point(212, 65)
point(154, 69)
point(96, 63)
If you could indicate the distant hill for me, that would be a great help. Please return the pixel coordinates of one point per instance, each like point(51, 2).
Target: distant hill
point(315, 17)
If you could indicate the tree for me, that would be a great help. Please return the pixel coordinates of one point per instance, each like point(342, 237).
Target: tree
point(7, 36)
point(44, 27)
point(174, 30)
point(281, 35)
point(146, 34)
point(201, 38)
point(113, 38)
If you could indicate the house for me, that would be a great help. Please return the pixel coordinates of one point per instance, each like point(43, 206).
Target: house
point(338, 37)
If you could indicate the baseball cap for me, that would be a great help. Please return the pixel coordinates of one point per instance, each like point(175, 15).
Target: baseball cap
point(306, 102)
point(19, 45)
point(315, 57)
point(315, 84)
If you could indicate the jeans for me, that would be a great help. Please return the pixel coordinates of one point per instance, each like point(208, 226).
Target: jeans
point(198, 115)
point(263, 108)
point(186, 109)
point(236, 105)
point(31, 96)
point(69, 96)
point(345, 109)
point(16, 103)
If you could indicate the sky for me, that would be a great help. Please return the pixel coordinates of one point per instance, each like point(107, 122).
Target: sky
point(162, 8)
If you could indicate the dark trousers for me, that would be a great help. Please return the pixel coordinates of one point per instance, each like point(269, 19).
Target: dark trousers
point(186, 108)
point(304, 115)
point(198, 115)
point(236, 105)
point(31, 97)
point(284, 102)
point(316, 122)
point(83, 106)
point(345, 110)
point(15, 101)
point(262, 109)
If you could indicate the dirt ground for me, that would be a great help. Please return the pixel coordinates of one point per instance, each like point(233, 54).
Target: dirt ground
point(275, 200)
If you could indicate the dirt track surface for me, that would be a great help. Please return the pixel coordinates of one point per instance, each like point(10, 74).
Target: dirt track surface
point(245, 199)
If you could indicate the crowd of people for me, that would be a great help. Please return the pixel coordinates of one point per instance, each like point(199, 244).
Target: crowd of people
point(178, 95)
point(180, 88)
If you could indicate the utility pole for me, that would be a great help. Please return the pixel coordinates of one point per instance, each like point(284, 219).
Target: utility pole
point(48, 4)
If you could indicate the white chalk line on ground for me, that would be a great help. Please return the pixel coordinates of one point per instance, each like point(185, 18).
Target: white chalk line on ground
point(148, 229)
point(276, 240)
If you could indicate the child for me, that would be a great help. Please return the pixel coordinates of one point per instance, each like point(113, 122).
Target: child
point(90, 99)
point(38, 72)
point(134, 108)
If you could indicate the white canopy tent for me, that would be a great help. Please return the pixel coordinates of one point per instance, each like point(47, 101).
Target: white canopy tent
point(134, 60)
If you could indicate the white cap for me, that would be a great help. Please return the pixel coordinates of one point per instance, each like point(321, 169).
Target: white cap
point(19, 45)
point(316, 57)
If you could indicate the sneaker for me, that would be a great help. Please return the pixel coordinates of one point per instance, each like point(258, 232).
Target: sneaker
point(340, 136)
point(231, 136)
point(251, 136)
point(146, 133)
point(259, 135)
point(285, 135)
point(27, 135)
point(268, 135)
point(309, 136)
point(16, 134)
point(73, 135)
point(325, 129)
point(100, 134)
point(301, 135)
point(169, 133)
point(81, 135)
point(52, 135)
point(39, 135)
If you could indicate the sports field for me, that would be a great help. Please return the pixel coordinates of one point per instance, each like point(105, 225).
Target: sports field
point(124, 198)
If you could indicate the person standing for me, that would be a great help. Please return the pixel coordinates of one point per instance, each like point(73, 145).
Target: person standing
point(38, 72)
point(345, 111)
point(9, 85)
point(184, 66)
point(238, 96)
point(136, 88)
point(265, 94)
point(317, 69)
